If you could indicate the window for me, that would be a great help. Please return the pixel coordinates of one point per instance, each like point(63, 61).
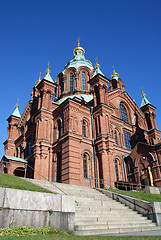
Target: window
point(116, 170)
point(29, 149)
point(59, 128)
point(83, 81)
point(84, 129)
point(116, 141)
point(85, 165)
point(123, 113)
point(127, 139)
point(71, 82)
point(61, 85)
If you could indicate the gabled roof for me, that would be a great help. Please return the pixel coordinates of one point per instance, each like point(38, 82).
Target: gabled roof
point(15, 159)
point(98, 71)
point(144, 101)
point(16, 113)
point(48, 77)
point(83, 97)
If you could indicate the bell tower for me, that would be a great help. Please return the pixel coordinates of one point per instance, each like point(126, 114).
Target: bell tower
point(149, 111)
point(13, 120)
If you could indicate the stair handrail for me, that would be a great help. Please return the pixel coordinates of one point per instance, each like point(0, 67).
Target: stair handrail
point(46, 179)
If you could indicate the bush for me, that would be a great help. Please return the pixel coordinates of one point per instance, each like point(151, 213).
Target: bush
point(24, 230)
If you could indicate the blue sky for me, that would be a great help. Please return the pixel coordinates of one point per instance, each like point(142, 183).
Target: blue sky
point(124, 33)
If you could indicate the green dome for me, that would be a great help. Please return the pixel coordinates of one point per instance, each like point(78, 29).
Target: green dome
point(79, 60)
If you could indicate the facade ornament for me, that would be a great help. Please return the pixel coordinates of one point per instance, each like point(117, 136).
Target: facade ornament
point(17, 106)
point(97, 64)
point(39, 80)
point(48, 70)
point(78, 48)
point(114, 74)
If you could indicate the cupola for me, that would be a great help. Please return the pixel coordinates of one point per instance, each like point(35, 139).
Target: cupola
point(114, 75)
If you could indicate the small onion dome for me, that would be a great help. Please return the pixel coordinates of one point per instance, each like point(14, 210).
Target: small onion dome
point(78, 48)
point(39, 80)
point(114, 74)
point(48, 70)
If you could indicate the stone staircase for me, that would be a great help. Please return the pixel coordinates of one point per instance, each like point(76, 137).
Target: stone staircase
point(97, 214)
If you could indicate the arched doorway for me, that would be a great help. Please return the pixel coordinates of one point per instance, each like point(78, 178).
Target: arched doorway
point(19, 172)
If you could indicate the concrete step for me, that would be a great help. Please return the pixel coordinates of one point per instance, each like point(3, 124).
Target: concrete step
point(112, 226)
point(94, 221)
point(112, 230)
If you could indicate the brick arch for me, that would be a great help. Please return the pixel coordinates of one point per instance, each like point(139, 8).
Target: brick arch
point(86, 163)
point(86, 150)
point(118, 167)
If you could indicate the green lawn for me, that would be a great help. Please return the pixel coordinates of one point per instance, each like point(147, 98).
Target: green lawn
point(144, 196)
point(71, 237)
point(10, 181)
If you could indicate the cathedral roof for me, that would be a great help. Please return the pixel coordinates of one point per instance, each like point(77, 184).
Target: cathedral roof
point(79, 59)
point(16, 159)
point(48, 77)
point(16, 112)
point(98, 71)
point(83, 97)
point(144, 100)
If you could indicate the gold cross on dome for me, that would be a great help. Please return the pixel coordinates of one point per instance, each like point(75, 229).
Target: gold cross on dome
point(113, 69)
point(78, 42)
point(40, 76)
point(96, 60)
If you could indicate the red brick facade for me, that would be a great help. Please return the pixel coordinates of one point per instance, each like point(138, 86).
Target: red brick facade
point(84, 133)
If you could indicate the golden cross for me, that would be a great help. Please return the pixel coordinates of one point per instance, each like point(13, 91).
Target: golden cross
point(17, 103)
point(96, 60)
point(48, 64)
point(113, 66)
point(143, 94)
point(40, 76)
point(78, 42)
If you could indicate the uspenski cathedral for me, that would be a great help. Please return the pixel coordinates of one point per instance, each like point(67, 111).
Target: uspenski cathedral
point(83, 128)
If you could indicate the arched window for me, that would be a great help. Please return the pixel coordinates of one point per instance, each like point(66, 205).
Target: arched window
point(71, 81)
point(85, 165)
point(116, 141)
point(84, 130)
point(116, 170)
point(127, 137)
point(83, 81)
point(123, 113)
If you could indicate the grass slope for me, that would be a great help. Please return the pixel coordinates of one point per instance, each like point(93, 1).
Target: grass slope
point(10, 181)
point(144, 196)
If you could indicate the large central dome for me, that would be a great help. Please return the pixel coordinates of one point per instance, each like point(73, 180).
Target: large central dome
point(79, 60)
